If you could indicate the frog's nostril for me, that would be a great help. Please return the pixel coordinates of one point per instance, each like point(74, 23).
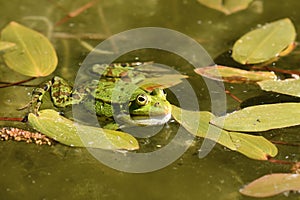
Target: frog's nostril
point(156, 104)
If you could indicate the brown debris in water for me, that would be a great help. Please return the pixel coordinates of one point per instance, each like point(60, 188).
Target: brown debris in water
point(22, 135)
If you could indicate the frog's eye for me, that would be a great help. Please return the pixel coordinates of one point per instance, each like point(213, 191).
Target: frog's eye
point(142, 99)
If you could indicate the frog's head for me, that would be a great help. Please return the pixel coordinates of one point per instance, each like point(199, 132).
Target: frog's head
point(150, 108)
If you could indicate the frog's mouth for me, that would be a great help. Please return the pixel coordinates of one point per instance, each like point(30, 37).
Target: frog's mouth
point(148, 120)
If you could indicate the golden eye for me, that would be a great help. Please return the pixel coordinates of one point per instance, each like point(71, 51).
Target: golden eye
point(142, 99)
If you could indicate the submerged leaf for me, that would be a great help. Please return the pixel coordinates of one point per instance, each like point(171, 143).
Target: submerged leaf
point(234, 75)
point(34, 54)
point(260, 118)
point(273, 184)
point(264, 43)
point(255, 147)
point(228, 6)
point(67, 132)
point(287, 86)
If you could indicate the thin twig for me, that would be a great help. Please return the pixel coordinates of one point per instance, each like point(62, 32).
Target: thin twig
point(76, 12)
point(233, 96)
point(17, 83)
point(14, 119)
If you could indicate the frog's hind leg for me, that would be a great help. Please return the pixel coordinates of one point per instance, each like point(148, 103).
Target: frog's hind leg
point(36, 97)
point(61, 93)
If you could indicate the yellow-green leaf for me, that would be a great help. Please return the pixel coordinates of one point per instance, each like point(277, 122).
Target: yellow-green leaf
point(67, 132)
point(272, 184)
point(260, 118)
point(34, 54)
point(5, 46)
point(226, 6)
point(287, 86)
point(255, 147)
point(234, 75)
point(264, 43)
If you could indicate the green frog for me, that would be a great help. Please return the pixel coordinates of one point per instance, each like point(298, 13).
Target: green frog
point(115, 94)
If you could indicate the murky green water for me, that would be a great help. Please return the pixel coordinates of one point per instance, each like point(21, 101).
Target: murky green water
point(29, 171)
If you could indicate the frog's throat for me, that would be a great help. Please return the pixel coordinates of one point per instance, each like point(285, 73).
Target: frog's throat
point(153, 120)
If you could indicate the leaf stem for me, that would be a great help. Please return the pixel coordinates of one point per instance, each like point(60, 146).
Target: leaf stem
point(17, 83)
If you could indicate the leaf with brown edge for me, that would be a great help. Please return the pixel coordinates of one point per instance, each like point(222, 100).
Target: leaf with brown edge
point(234, 75)
point(272, 184)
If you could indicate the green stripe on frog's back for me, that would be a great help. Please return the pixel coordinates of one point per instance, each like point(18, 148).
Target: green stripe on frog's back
point(116, 69)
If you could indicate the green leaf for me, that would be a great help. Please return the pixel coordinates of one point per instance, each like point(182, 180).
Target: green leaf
point(234, 75)
point(261, 118)
point(264, 43)
point(67, 132)
point(226, 6)
point(5, 46)
point(34, 54)
point(273, 184)
point(197, 123)
point(287, 86)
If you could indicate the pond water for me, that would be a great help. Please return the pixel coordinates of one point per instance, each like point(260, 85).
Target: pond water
point(30, 171)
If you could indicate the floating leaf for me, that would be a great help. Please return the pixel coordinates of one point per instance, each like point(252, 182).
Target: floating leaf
point(5, 46)
point(264, 43)
point(287, 86)
point(65, 131)
point(273, 184)
point(164, 81)
point(226, 6)
point(34, 54)
point(255, 147)
point(234, 75)
point(261, 118)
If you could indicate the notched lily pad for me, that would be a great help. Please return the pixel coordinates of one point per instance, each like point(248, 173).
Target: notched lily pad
point(273, 184)
point(226, 6)
point(287, 86)
point(264, 43)
point(65, 131)
point(197, 123)
point(34, 54)
point(234, 75)
point(260, 118)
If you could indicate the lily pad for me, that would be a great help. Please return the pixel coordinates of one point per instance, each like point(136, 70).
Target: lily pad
point(260, 118)
point(273, 184)
point(34, 54)
point(67, 132)
point(254, 147)
point(234, 75)
point(226, 6)
point(264, 43)
point(287, 86)
point(5, 46)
